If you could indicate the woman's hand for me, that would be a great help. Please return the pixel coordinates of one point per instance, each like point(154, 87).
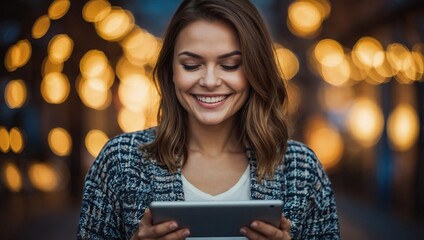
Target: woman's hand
point(166, 230)
point(260, 230)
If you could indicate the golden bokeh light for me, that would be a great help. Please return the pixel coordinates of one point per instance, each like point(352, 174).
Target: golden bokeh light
point(40, 27)
point(60, 48)
point(130, 121)
point(18, 55)
point(304, 17)
point(116, 25)
point(338, 75)
point(60, 142)
point(94, 141)
point(411, 66)
point(365, 122)
point(329, 53)
point(15, 94)
point(403, 127)
point(49, 67)
point(16, 140)
point(55, 88)
point(374, 78)
point(134, 92)
point(12, 177)
point(326, 142)
point(418, 65)
point(417, 54)
point(58, 9)
point(4, 140)
point(369, 52)
point(124, 68)
point(356, 73)
point(44, 177)
point(96, 10)
point(385, 70)
point(287, 61)
point(324, 7)
point(395, 52)
point(93, 63)
point(94, 93)
point(140, 47)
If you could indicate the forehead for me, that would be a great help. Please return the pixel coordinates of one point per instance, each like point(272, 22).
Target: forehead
point(208, 36)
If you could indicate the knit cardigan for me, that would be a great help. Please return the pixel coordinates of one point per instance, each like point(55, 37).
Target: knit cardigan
point(122, 182)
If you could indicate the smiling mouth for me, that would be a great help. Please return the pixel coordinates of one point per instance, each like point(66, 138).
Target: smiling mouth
point(211, 100)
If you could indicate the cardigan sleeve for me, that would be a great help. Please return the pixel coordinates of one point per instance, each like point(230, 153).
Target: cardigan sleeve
point(321, 217)
point(100, 218)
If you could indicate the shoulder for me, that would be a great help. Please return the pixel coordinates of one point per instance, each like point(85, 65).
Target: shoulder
point(128, 142)
point(137, 138)
point(123, 151)
point(301, 162)
point(299, 154)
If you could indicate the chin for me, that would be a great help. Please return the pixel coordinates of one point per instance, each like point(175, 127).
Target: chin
point(212, 121)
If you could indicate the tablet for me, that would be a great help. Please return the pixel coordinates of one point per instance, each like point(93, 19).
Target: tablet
point(217, 218)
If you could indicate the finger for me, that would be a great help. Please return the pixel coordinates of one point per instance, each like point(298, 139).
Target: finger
point(147, 218)
point(268, 230)
point(158, 230)
point(147, 230)
point(285, 224)
point(145, 222)
point(180, 234)
point(251, 234)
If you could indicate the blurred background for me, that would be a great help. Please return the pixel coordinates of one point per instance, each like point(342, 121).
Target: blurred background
point(76, 73)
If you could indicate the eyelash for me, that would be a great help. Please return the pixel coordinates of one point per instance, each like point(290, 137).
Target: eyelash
point(230, 67)
point(190, 67)
point(225, 67)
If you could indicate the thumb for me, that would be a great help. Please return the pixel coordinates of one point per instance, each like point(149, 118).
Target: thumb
point(285, 224)
point(147, 218)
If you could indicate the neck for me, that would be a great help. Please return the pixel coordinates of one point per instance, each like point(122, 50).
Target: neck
point(214, 140)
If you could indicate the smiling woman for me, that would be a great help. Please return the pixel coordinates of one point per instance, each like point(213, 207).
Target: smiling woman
point(208, 77)
point(222, 136)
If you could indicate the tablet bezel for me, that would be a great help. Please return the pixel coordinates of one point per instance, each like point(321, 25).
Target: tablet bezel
point(217, 218)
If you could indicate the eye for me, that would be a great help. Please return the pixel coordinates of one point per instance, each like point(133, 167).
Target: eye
point(189, 67)
point(230, 67)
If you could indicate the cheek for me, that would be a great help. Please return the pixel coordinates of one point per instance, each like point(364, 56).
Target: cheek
point(180, 82)
point(183, 81)
point(240, 83)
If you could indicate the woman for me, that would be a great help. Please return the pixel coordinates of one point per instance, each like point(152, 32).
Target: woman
point(222, 135)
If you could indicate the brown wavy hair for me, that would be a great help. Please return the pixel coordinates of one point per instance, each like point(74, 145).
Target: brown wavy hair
point(261, 121)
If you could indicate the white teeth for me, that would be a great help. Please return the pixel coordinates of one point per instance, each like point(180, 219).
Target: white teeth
point(211, 99)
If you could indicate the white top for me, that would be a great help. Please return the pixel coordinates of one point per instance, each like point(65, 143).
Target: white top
point(240, 191)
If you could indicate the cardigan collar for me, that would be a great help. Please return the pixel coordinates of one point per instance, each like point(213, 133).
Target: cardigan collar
point(168, 186)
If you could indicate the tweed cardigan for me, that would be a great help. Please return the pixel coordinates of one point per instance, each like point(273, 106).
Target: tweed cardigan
point(122, 182)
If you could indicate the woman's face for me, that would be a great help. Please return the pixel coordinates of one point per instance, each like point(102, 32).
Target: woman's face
point(208, 74)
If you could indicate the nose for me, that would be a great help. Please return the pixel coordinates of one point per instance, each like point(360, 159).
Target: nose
point(210, 79)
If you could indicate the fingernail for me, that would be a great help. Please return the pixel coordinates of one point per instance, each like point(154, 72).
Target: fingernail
point(254, 224)
point(173, 226)
point(147, 210)
point(243, 231)
point(186, 233)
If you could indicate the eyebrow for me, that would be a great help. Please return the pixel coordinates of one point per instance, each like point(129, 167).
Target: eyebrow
point(227, 55)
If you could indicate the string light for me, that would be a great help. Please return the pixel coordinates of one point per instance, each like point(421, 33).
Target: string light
point(12, 177)
point(15, 94)
point(60, 141)
point(94, 141)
